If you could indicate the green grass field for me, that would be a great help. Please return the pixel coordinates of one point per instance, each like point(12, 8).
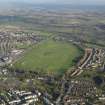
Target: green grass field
point(49, 57)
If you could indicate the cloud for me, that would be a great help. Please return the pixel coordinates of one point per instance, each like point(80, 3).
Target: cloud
point(61, 1)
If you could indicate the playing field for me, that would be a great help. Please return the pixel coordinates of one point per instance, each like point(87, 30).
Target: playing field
point(49, 57)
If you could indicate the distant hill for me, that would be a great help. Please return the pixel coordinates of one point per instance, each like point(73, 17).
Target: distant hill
point(17, 4)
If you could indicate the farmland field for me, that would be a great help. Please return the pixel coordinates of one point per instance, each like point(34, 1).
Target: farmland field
point(49, 57)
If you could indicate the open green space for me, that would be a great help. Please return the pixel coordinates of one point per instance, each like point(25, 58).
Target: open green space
point(49, 57)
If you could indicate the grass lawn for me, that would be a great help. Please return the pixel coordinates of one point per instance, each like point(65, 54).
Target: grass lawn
point(49, 57)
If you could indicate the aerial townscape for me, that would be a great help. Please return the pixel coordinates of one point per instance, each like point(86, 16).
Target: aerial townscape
point(52, 54)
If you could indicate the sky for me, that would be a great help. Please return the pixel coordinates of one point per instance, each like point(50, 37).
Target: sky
point(74, 2)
